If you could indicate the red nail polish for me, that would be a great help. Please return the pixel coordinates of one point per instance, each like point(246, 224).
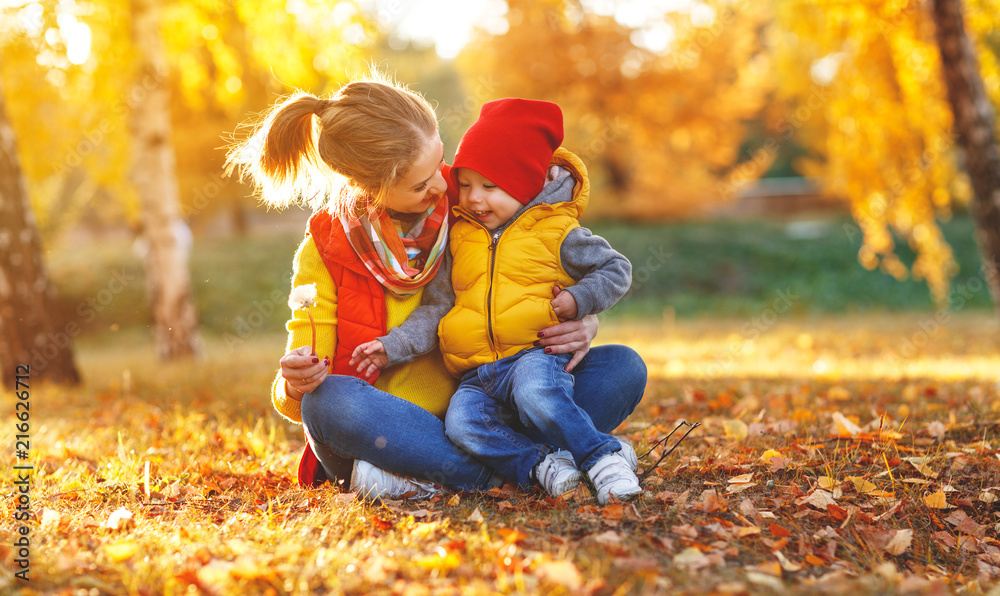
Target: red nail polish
point(315, 360)
point(541, 334)
point(536, 343)
point(548, 350)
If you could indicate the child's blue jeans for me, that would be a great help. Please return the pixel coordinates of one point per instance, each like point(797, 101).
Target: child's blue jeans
point(348, 418)
point(530, 390)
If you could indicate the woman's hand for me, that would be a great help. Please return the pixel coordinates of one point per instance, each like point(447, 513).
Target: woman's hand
point(569, 336)
point(302, 371)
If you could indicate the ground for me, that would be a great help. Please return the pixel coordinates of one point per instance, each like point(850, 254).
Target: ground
point(836, 453)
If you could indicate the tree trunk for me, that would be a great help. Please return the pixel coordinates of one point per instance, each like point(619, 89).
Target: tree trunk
point(28, 333)
point(175, 322)
point(975, 125)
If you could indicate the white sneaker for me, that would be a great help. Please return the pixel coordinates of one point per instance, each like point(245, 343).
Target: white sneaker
point(557, 473)
point(372, 482)
point(629, 453)
point(612, 476)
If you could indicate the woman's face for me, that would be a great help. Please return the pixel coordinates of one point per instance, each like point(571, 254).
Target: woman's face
point(423, 183)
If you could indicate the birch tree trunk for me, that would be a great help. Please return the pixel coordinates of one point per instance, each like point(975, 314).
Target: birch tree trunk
point(28, 330)
point(175, 322)
point(975, 125)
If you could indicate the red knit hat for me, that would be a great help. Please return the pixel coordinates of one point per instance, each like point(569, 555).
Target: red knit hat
point(511, 144)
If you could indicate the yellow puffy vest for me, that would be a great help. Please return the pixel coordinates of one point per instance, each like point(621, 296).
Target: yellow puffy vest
point(503, 285)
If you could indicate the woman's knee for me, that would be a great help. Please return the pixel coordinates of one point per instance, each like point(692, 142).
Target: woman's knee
point(334, 402)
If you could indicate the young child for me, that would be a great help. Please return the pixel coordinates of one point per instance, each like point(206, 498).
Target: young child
point(521, 262)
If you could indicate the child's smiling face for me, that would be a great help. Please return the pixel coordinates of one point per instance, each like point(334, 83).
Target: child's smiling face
point(486, 201)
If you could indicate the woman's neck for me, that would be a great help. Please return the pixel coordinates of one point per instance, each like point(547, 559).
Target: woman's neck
point(406, 220)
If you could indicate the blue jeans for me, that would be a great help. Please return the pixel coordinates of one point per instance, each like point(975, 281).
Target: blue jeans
point(529, 390)
point(346, 418)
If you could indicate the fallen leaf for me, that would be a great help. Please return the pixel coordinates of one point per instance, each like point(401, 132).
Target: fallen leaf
point(862, 485)
point(712, 502)
point(936, 500)
point(609, 537)
point(744, 531)
point(920, 463)
point(900, 542)
point(818, 498)
point(736, 429)
point(768, 455)
point(738, 488)
point(785, 563)
point(50, 518)
point(844, 427)
point(741, 479)
point(692, 558)
point(987, 497)
point(826, 482)
point(121, 551)
point(779, 531)
point(476, 515)
point(937, 429)
point(119, 519)
point(455, 500)
point(563, 573)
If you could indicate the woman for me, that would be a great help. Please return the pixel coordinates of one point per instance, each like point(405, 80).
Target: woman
point(369, 162)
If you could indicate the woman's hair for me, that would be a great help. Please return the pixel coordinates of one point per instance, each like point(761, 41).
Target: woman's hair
point(364, 140)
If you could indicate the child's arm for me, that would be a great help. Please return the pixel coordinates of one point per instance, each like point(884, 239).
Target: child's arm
point(603, 274)
point(418, 334)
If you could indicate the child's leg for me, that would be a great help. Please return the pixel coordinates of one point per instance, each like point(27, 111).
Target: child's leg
point(481, 426)
point(542, 392)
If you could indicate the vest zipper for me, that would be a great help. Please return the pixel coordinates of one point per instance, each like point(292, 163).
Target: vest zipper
point(489, 293)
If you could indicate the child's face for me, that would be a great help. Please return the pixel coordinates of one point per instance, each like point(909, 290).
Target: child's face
point(485, 200)
point(423, 183)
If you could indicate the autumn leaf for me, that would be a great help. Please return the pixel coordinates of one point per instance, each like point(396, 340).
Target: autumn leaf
point(562, 573)
point(736, 429)
point(862, 485)
point(936, 500)
point(900, 542)
point(844, 427)
point(121, 551)
point(768, 455)
point(826, 482)
point(741, 479)
point(119, 519)
point(920, 463)
point(476, 515)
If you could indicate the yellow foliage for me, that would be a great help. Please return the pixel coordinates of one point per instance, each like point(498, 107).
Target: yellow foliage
point(872, 106)
point(656, 124)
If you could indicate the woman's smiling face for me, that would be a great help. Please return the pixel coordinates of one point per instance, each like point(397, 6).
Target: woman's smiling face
point(423, 183)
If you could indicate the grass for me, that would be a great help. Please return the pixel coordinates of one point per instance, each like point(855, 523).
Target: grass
point(221, 513)
point(800, 479)
point(689, 270)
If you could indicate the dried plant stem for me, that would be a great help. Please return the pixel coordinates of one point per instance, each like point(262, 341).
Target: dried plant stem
point(313, 324)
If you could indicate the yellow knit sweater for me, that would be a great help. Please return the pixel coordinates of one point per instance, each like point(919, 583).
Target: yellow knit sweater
point(423, 381)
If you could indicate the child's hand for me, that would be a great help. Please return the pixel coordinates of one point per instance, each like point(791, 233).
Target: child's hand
point(564, 304)
point(371, 356)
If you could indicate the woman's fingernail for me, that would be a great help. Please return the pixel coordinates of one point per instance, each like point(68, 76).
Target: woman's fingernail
point(315, 360)
point(541, 334)
point(536, 343)
point(548, 350)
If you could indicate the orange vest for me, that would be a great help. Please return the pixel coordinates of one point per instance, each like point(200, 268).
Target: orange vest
point(360, 298)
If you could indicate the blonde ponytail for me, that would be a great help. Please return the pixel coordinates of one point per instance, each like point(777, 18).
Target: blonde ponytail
point(365, 138)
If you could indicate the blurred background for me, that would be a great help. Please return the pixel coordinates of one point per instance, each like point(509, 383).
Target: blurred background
point(744, 155)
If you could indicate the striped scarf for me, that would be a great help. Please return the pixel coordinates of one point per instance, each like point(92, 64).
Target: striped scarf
point(402, 263)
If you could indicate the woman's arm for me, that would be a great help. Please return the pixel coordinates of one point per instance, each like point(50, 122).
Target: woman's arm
point(299, 373)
